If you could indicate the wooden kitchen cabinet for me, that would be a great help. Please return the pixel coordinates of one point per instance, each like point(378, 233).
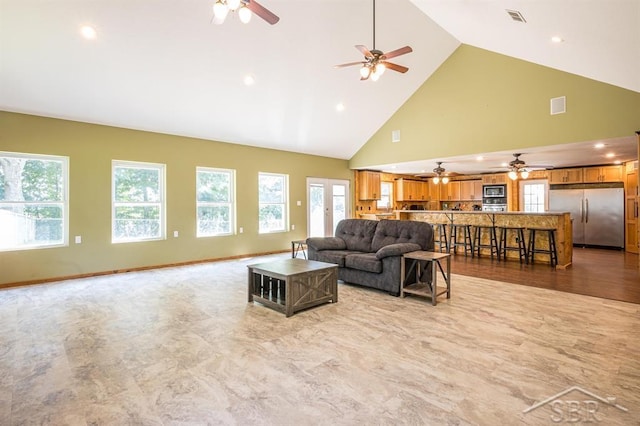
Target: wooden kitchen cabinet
point(602, 174)
point(565, 176)
point(450, 191)
point(368, 185)
point(494, 179)
point(631, 208)
point(470, 190)
point(411, 190)
point(434, 191)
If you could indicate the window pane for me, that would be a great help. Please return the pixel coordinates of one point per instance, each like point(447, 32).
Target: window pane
point(137, 222)
point(31, 225)
point(271, 189)
point(272, 196)
point(271, 217)
point(137, 185)
point(214, 220)
point(215, 205)
point(33, 201)
point(138, 201)
point(214, 186)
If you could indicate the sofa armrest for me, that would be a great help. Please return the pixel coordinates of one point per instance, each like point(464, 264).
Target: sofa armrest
point(326, 243)
point(397, 249)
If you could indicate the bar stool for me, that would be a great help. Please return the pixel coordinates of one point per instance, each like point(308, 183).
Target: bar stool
point(551, 240)
point(503, 243)
point(493, 240)
point(466, 243)
point(441, 239)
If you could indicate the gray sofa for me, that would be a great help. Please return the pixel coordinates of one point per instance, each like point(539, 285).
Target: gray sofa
point(369, 252)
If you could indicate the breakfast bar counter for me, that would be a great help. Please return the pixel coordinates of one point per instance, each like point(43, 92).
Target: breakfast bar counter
point(560, 221)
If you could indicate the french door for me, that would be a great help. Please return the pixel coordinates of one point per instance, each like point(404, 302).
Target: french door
point(328, 203)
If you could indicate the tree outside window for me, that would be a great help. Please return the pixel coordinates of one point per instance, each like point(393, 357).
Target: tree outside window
point(138, 201)
point(33, 201)
point(215, 191)
point(273, 202)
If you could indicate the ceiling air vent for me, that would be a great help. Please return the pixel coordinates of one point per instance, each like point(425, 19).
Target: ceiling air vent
point(516, 16)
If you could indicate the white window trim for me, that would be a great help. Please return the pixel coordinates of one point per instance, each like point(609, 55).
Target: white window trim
point(522, 183)
point(163, 202)
point(379, 202)
point(231, 203)
point(285, 203)
point(64, 202)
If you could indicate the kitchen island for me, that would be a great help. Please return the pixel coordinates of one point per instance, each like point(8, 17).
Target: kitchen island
point(560, 221)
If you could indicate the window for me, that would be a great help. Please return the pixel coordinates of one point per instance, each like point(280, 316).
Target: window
point(215, 189)
point(386, 195)
point(138, 202)
point(273, 202)
point(533, 197)
point(33, 201)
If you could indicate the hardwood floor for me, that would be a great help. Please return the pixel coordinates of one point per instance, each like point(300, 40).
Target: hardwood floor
point(608, 274)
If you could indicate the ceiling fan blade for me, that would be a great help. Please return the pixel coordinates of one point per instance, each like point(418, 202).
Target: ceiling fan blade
point(397, 52)
point(364, 51)
point(395, 67)
point(262, 11)
point(349, 64)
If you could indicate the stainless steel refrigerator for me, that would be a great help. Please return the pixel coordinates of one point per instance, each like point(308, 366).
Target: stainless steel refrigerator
point(598, 214)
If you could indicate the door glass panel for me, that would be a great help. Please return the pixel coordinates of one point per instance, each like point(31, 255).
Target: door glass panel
point(316, 210)
point(339, 205)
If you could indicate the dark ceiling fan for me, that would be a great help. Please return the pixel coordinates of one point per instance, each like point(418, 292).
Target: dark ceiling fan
point(375, 61)
point(245, 9)
point(517, 164)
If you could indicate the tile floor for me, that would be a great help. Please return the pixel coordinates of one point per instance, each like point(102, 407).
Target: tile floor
point(182, 346)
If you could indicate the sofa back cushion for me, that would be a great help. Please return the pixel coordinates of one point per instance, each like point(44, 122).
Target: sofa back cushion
point(357, 233)
point(402, 231)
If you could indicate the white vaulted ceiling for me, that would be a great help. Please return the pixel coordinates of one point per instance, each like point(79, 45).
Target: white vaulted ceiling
point(161, 66)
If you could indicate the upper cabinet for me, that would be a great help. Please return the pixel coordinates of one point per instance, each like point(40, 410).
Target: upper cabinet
point(411, 190)
point(586, 175)
point(603, 174)
point(450, 191)
point(470, 190)
point(368, 185)
point(565, 176)
point(493, 179)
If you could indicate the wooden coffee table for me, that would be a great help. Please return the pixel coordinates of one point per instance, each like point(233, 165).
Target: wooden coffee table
point(290, 285)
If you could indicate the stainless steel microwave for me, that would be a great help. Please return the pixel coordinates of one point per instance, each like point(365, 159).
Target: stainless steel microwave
point(494, 191)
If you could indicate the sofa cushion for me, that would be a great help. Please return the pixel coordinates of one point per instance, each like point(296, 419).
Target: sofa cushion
point(397, 250)
point(364, 262)
point(333, 256)
point(402, 231)
point(357, 233)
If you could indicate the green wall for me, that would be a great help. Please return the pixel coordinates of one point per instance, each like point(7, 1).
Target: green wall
point(480, 101)
point(91, 148)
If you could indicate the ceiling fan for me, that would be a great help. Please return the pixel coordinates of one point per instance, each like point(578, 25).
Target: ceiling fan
point(375, 61)
point(517, 167)
point(245, 9)
point(439, 174)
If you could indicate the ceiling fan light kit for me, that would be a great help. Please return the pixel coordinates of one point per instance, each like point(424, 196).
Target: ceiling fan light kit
point(438, 177)
point(245, 9)
point(375, 61)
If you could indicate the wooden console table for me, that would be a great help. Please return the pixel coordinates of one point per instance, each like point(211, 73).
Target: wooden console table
point(291, 285)
point(418, 261)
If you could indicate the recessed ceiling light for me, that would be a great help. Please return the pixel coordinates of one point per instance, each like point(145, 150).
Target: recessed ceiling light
point(249, 80)
point(599, 145)
point(340, 107)
point(88, 32)
point(479, 158)
point(423, 171)
point(393, 167)
point(610, 155)
point(617, 162)
point(557, 39)
point(504, 164)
